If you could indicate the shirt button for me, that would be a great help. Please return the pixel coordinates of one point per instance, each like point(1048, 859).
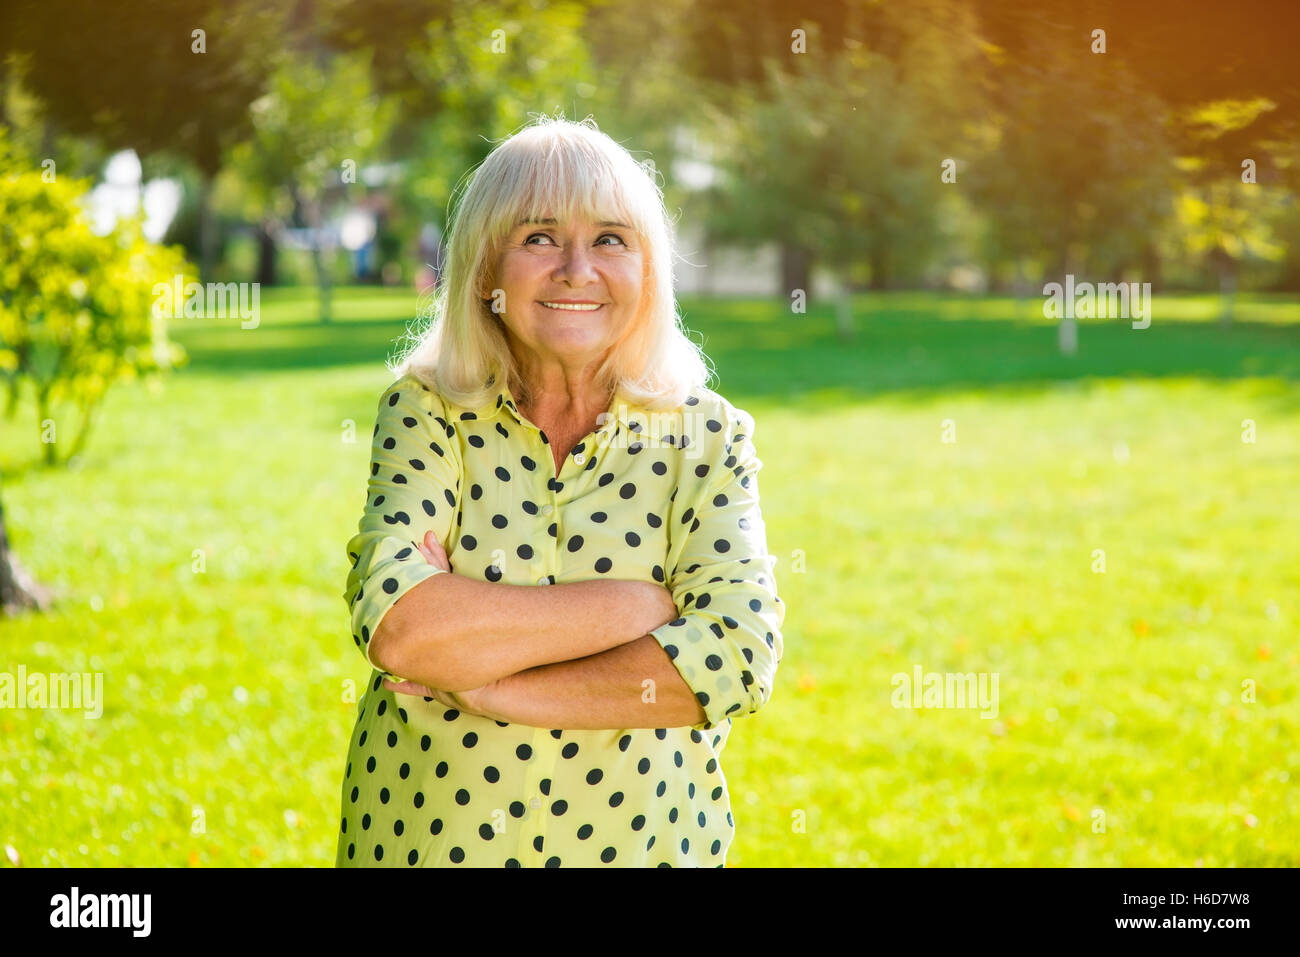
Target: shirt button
point(535, 802)
point(579, 459)
point(546, 509)
point(544, 580)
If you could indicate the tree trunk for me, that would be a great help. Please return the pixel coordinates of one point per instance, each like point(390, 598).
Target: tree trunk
point(1151, 266)
point(879, 268)
point(1227, 288)
point(207, 229)
point(319, 250)
point(265, 254)
point(1067, 330)
point(843, 305)
point(18, 592)
point(796, 269)
point(1020, 287)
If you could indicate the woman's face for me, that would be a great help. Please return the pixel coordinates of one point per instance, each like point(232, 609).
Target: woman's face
point(594, 268)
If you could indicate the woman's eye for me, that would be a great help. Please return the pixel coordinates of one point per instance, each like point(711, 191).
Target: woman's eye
point(604, 236)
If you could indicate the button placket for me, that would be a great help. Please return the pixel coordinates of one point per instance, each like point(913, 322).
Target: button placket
point(546, 751)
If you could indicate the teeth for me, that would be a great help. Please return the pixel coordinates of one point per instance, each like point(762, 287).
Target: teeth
point(573, 307)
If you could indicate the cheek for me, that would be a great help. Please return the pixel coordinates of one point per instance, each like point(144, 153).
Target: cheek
point(633, 281)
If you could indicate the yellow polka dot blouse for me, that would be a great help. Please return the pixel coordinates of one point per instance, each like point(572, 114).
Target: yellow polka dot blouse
point(667, 497)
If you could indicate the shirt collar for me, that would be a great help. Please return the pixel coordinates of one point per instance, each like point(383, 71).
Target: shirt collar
point(503, 403)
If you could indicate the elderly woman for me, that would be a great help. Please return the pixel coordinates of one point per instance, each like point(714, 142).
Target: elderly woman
point(561, 577)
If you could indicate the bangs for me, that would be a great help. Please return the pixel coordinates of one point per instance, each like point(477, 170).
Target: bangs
point(569, 181)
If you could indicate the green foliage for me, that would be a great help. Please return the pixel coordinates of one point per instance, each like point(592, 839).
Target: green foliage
point(75, 307)
point(1080, 174)
point(842, 156)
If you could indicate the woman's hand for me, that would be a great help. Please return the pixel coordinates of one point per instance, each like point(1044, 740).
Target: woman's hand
point(475, 700)
point(433, 551)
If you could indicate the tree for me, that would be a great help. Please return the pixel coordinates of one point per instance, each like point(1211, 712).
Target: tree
point(842, 159)
point(75, 316)
point(150, 75)
point(1080, 172)
point(75, 307)
point(315, 127)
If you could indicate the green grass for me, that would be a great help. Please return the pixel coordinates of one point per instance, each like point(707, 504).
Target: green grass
point(1118, 691)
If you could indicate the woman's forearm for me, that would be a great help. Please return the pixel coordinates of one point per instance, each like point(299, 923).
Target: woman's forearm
point(456, 633)
point(634, 685)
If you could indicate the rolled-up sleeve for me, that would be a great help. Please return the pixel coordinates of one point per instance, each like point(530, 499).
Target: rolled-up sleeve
point(727, 641)
point(414, 486)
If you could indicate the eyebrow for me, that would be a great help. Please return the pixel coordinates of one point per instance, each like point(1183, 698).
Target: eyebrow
point(551, 222)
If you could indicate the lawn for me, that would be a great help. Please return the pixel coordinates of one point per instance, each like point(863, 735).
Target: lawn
point(938, 492)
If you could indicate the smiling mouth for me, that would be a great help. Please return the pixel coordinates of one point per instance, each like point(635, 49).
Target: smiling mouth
point(572, 306)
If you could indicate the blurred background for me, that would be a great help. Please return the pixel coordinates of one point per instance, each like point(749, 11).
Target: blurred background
point(871, 201)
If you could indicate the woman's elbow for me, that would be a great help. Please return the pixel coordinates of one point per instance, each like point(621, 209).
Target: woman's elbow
point(420, 657)
point(386, 644)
